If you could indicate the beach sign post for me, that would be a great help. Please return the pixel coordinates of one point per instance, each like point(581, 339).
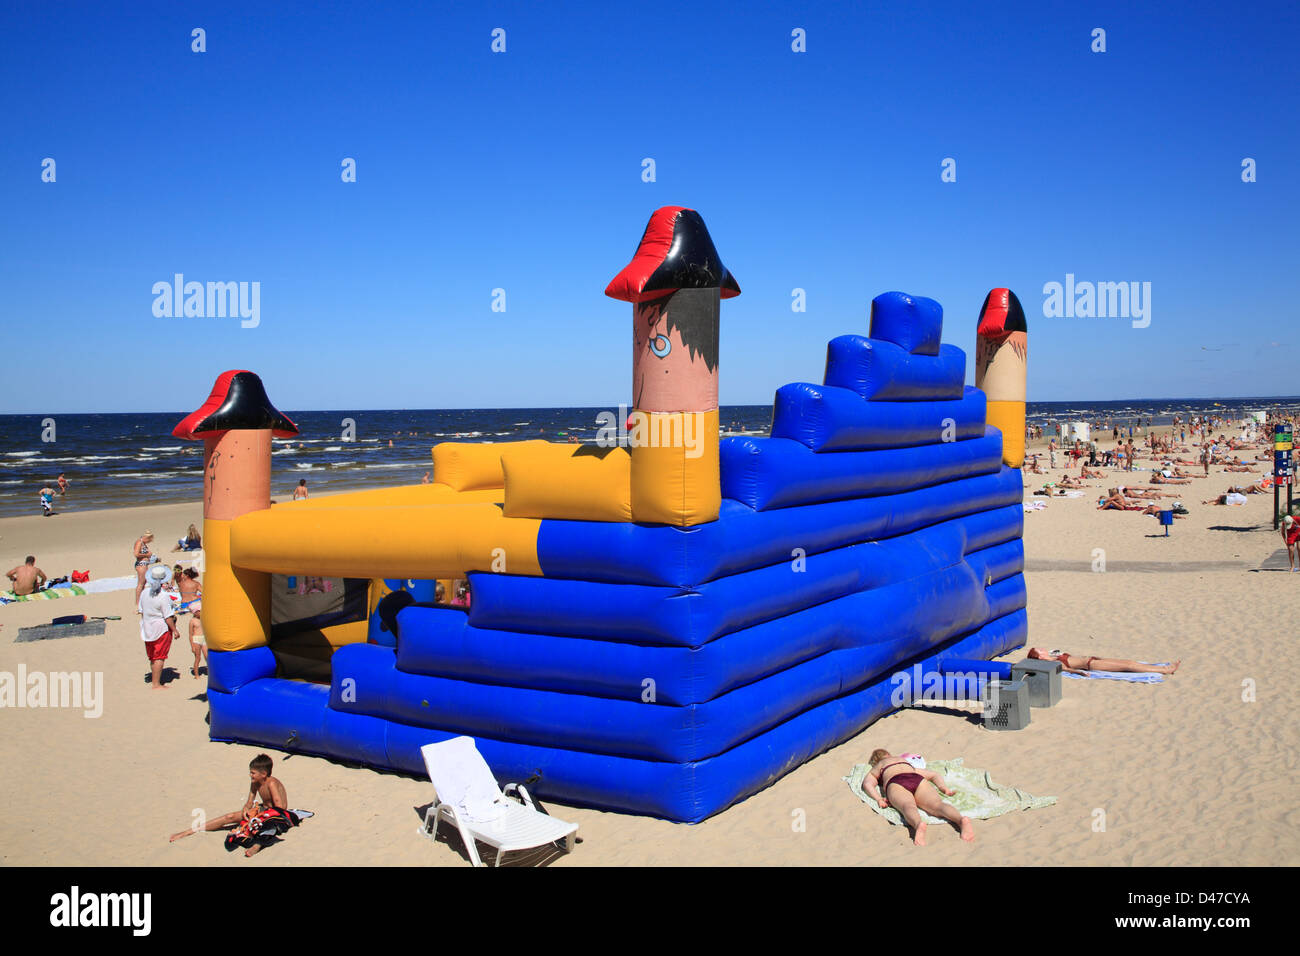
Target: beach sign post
point(1282, 442)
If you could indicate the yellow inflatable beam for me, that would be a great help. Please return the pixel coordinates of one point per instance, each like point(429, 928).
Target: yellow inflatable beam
point(413, 541)
point(243, 596)
point(573, 482)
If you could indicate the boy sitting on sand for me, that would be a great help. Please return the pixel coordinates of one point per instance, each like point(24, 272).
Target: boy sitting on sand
point(265, 792)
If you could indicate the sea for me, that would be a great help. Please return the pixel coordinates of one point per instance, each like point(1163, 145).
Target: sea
point(123, 460)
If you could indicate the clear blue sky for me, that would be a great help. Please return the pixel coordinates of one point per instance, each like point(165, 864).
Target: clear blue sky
point(522, 171)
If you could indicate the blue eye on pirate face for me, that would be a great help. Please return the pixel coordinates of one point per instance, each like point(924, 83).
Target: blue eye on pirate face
point(660, 350)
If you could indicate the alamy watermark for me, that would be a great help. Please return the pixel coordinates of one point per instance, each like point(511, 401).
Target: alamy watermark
point(1098, 300)
point(213, 300)
point(961, 689)
point(686, 430)
point(74, 690)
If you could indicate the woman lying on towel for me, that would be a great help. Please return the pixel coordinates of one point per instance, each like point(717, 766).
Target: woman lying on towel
point(1077, 665)
point(901, 781)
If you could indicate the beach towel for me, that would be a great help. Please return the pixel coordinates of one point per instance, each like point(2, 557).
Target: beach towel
point(110, 584)
point(977, 796)
point(465, 781)
point(49, 594)
point(1121, 675)
point(263, 828)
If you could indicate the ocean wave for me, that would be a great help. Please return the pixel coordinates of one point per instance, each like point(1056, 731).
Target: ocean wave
point(162, 448)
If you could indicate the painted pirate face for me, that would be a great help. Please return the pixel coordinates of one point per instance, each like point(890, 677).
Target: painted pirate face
point(675, 352)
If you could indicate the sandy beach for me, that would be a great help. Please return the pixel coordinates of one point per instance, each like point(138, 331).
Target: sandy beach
point(1192, 771)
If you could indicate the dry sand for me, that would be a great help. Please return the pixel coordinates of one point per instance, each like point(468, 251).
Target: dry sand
point(1182, 773)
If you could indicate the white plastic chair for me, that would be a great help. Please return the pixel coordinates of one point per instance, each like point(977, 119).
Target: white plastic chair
point(466, 794)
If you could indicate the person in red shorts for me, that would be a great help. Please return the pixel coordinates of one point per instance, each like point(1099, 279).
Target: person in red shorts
point(1291, 535)
point(157, 621)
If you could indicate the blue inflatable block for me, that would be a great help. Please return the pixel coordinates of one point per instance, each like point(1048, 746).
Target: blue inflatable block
point(1007, 596)
point(767, 473)
point(834, 419)
point(742, 538)
point(1000, 670)
point(654, 730)
point(695, 616)
point(442, 643)
point(999, 561)
point(913, 322)
point(230, 670)
point(692, 791)
point(884, 372)
point(286, 714)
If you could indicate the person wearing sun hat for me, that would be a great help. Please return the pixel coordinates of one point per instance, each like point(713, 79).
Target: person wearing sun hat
point(157, 621)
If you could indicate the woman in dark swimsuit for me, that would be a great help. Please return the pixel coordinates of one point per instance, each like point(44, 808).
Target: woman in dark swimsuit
point(903, 786)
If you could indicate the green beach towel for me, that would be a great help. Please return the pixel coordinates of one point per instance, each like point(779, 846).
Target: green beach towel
point(977, 796)
point(49, 594)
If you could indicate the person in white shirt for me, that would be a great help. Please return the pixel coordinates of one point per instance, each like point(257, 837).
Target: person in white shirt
point(157, 621)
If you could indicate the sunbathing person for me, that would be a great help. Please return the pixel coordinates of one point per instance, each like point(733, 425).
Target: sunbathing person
point(903, 788)
point(1117, 502)
point(1145, 493)
point(264, 793)
point(1240, 468)
point(1086, 472)
point(1077, 665)
point(1161, 478)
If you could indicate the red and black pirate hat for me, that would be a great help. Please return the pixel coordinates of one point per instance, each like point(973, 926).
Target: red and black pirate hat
point(676, 252)
point(238, 401)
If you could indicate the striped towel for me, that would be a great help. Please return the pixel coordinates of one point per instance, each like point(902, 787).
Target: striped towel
point(49, 594)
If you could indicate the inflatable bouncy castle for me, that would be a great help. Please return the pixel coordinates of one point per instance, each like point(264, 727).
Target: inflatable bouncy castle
point(663, 621)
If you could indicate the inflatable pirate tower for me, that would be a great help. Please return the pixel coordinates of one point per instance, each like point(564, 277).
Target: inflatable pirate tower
point(1001, 356)
point(675, 282)
point(236, 424)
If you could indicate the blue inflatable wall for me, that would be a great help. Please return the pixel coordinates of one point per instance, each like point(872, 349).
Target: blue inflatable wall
point(671, 671)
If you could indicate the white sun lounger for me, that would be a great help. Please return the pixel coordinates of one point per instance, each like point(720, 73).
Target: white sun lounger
point(466, 794)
